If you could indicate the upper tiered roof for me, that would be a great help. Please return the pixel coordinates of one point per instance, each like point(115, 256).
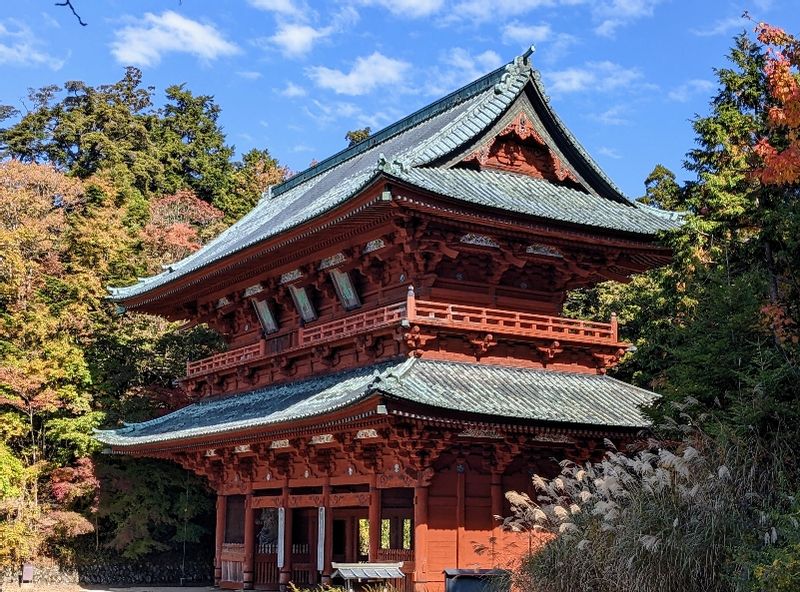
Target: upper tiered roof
point(418, 152)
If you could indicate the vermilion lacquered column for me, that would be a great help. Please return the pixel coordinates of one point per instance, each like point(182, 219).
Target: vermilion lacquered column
point(460, 512)
point(374, 520)
point(286, 570)
point(420, 538)
point(249, 542)
point(497, 509)
point(327, 569)
point(220, 538)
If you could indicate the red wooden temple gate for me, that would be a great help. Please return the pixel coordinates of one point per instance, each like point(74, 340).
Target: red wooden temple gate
point(396, 360)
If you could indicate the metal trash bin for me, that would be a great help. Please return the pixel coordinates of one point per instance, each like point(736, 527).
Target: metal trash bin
point(477, 580)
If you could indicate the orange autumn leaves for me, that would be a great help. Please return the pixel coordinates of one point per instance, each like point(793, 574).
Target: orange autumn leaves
point(781, 165)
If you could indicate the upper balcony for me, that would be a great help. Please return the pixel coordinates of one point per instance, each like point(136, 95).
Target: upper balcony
point(436, 316)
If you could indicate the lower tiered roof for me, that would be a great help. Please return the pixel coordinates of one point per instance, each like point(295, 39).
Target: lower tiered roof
point(503, 392)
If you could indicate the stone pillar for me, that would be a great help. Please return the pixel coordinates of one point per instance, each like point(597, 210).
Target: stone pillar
point(249, 542)
point(220, 538)
point(420, 538)
point(374, 521)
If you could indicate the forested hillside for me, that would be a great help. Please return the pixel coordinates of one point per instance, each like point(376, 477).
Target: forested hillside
point(99, 186)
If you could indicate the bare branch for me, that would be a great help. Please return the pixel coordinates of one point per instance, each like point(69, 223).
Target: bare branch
point(68, 4)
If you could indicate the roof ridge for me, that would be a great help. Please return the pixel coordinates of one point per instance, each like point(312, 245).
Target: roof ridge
point(458, 96)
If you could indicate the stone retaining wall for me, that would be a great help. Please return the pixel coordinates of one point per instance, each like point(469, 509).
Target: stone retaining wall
point(139, 573)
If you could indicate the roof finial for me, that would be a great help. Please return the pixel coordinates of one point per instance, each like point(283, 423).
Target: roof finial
point(528, 53)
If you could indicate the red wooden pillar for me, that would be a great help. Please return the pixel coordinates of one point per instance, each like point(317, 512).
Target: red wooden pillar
point(460, 511)
point(220, 538)
point(327, 569)
point(497, 510)
point(374, 520)
point(249, 542)
point(286, 569)
point(420, 538)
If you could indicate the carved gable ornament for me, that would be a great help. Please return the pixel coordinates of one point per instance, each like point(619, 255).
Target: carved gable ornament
point(519, 148)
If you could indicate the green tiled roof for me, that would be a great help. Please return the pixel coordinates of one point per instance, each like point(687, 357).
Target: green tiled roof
point(440, 129)
point(518, 394)
point(540, 198)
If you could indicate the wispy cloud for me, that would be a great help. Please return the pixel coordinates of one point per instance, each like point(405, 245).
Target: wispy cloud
point(249, 74)
point(145, 43)
point(335, 112)
point(459, 66)
point(516, 32)
point(367, 74)
point(613, 14)
point(597, 76)
point(296, 40)
point(687, 90)
point(613, 116)
point(20, 47)
point(483, 10)
point(551, 46)
point(722, 27)
point(408, 8)
point(293, 90)
point(286, 8)
point(609, 152)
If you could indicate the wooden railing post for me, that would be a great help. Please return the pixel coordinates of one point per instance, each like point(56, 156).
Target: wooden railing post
point(614, 327)
point(411, 304)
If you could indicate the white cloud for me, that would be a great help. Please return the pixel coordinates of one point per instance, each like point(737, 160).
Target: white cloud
point(144, 44)
point(296, 40)
point(597, 76)
point(613, 116)
point(20, 47)
point(282, 7)
point(685, 91)
point(613, 14)
point(249, 74)
point(367, 74)
point(408, 8)
point(517, 32)
point(722, 27)
point(293, 90)
point(486, 10)
point(609, 152)
point(459, 67)
point(334, 112)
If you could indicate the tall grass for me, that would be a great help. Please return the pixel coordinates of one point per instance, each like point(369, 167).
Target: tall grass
point(668, 518)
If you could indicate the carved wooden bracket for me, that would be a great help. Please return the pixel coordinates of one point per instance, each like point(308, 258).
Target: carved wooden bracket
point(416, 340)
point(482, 345)
point(606, 361)
point(548, 352)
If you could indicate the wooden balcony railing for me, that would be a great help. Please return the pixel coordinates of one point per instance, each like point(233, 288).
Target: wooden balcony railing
point(418, 312)
point(507, 322)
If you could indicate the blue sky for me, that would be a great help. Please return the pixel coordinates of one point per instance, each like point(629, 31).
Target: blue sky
point(294, 75)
